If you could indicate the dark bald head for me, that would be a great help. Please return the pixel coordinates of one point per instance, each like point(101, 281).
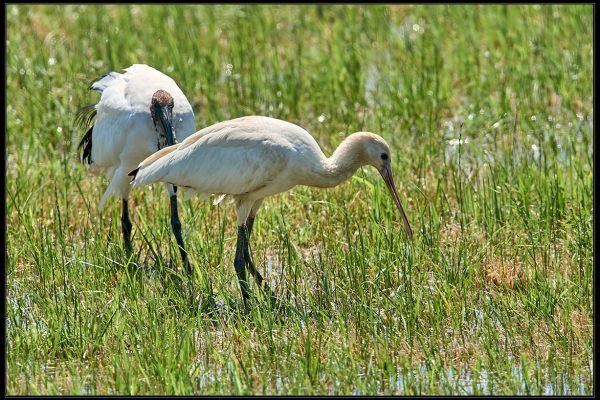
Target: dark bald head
point(162, 98)
point(161, 110)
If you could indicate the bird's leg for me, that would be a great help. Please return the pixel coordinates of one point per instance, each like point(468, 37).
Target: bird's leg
point(240, 261)
point(248, 257)
point(250, 263)
point(126, 226)
point(176, 225)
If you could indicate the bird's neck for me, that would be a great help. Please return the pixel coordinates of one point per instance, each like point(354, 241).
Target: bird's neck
point(344, 162)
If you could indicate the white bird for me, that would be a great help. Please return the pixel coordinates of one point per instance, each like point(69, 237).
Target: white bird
point(140, 112)
point(253, 157)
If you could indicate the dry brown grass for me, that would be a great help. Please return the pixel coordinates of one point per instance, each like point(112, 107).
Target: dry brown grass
point(509, 274)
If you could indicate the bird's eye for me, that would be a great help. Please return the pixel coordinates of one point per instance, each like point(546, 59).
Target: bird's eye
point(384, 156)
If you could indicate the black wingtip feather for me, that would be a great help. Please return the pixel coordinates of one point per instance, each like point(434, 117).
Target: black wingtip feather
point(85, 117)
point(86, 146)
point(133, 174)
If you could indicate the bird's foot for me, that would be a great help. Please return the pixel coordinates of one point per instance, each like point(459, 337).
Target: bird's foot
point(189, 268)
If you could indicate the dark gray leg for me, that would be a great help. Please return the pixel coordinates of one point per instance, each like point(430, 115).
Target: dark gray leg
point(176, 225)
point(126, 226)
point(257, 276)
point(250, 264)
point(240, 261)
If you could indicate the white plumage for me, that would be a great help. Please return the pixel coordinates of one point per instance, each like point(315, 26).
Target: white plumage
point(253, 157)
point(124, 133)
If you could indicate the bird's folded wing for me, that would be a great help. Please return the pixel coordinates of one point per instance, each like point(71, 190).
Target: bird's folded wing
point(104, 81)
point(227, 162)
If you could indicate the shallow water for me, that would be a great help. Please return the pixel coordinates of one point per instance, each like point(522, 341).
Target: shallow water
point(464, 383)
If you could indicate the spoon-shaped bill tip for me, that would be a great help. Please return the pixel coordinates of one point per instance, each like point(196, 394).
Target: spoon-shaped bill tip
point(386, 174)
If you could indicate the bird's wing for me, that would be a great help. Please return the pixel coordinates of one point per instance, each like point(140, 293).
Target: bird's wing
point(184, 125)
point(122, 137)
point(104, 81)
point(227, 161)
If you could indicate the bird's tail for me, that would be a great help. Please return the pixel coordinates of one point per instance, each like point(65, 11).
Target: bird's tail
point(148, 171)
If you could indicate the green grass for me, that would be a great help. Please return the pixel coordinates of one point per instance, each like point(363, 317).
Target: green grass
point(488, 110)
